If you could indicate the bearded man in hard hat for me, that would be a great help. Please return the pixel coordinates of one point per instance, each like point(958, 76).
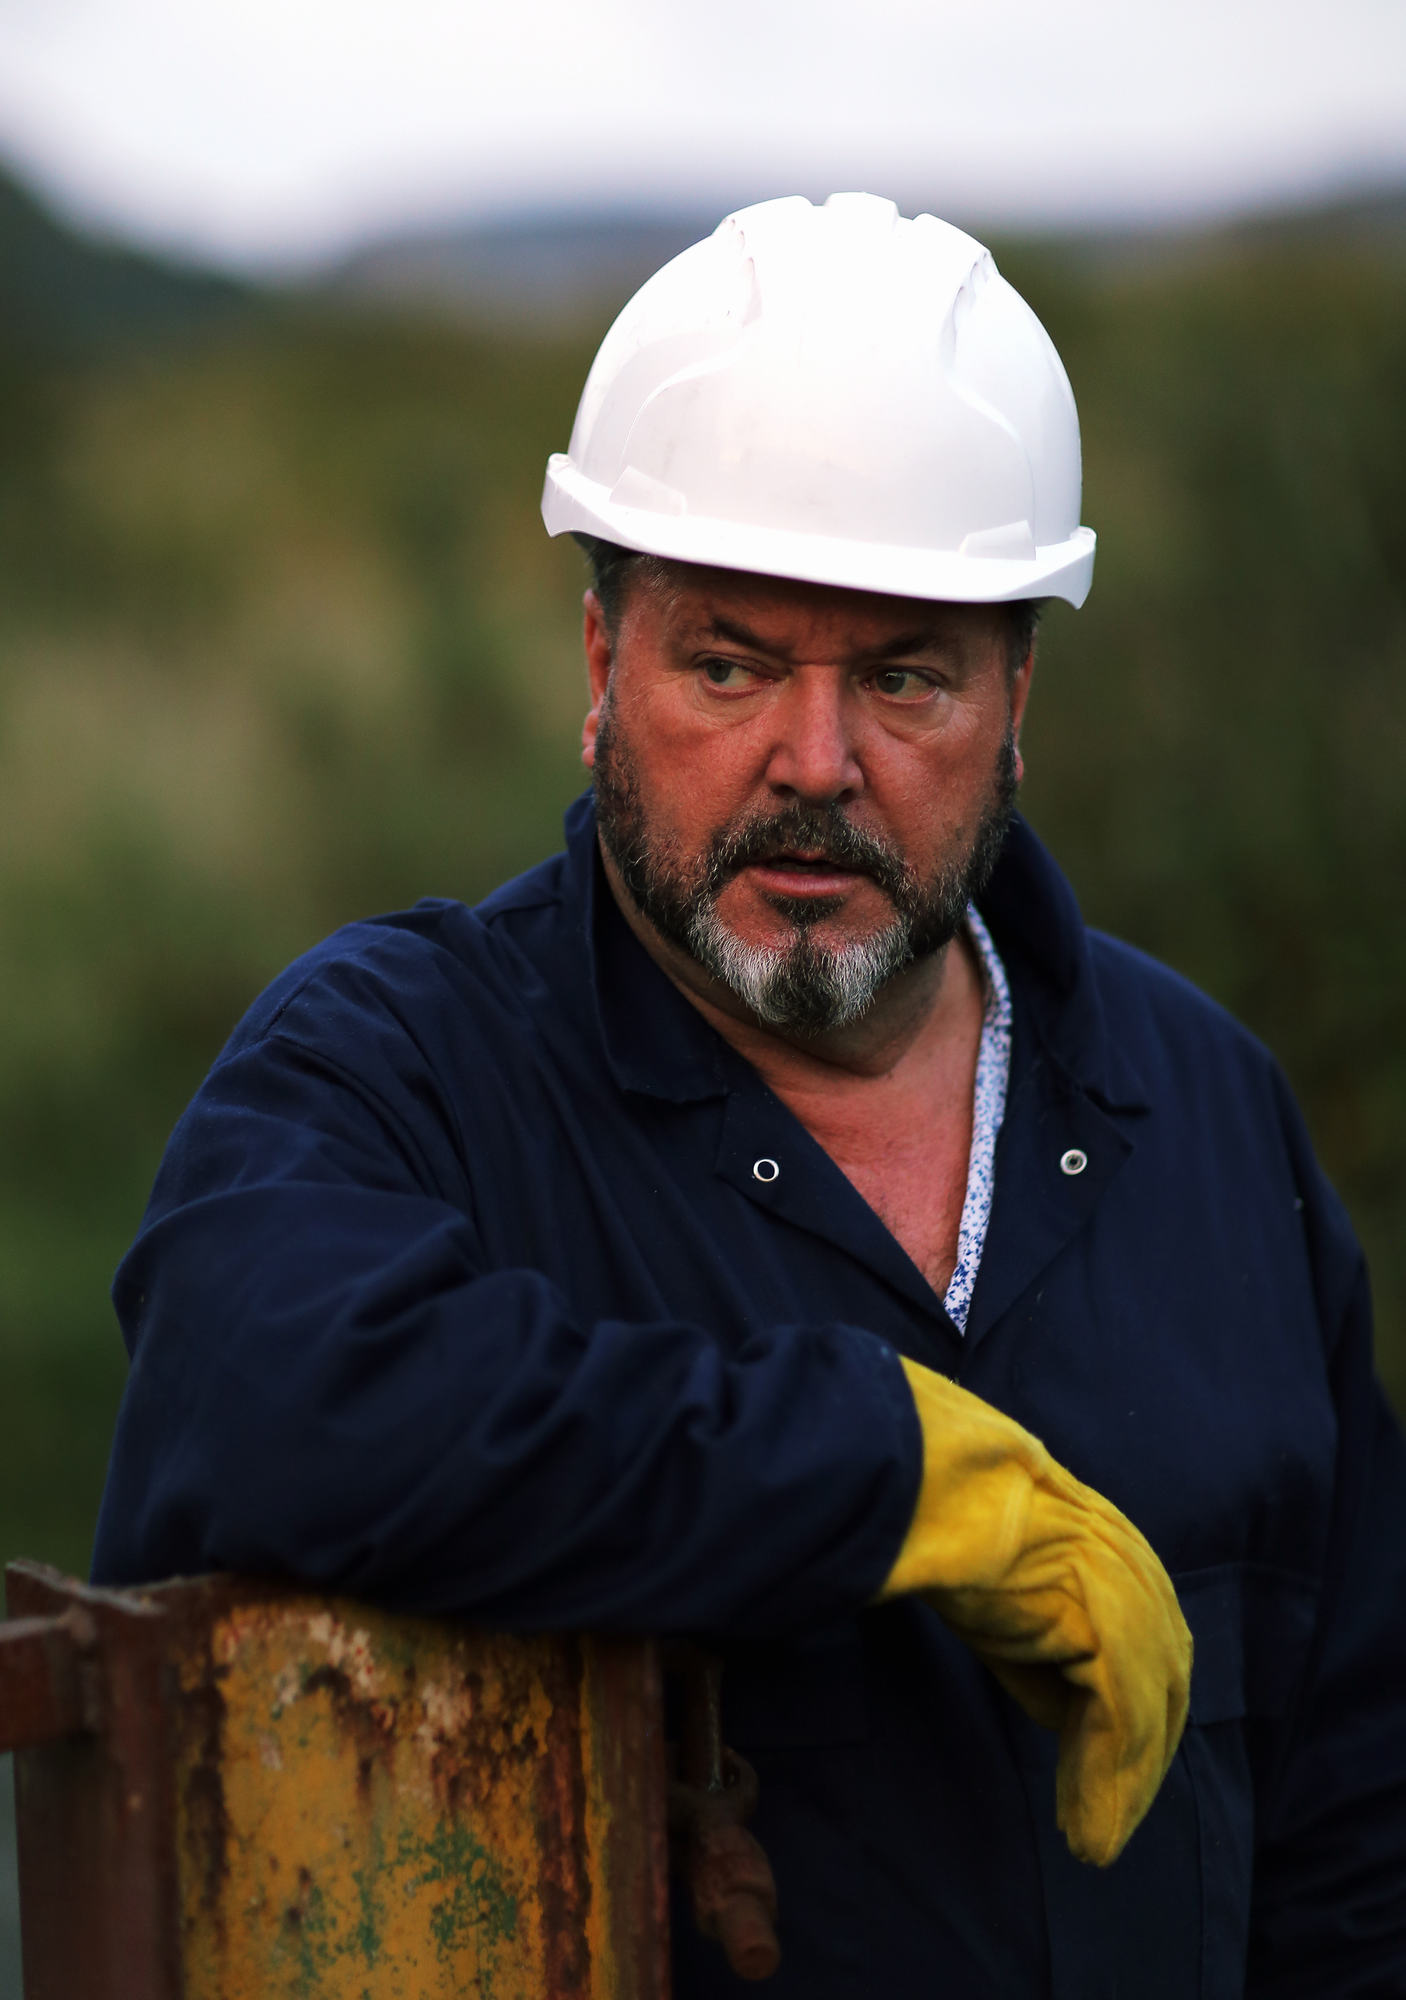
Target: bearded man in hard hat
point(778, 1218)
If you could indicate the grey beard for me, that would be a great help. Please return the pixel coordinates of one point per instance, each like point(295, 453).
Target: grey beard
point(803, 986)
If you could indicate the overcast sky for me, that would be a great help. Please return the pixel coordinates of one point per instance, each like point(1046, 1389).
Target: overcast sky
point(276, 131)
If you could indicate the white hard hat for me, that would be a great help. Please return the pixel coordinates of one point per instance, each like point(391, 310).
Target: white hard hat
point(835, 394)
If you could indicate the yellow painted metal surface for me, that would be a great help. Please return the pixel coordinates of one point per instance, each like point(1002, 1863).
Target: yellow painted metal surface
point(382, 1808)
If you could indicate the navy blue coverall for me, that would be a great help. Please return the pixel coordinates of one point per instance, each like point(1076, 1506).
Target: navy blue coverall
point(457, 1291)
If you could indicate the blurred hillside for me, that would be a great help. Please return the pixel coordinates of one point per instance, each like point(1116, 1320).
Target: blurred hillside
point(60, 292)
point(282, 642)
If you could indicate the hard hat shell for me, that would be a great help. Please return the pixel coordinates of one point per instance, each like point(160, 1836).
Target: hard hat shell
point(835, 394)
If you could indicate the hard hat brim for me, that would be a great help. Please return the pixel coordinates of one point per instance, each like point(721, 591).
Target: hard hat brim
point(572, 503)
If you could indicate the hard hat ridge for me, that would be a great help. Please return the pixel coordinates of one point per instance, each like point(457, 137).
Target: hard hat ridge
point(838, 394)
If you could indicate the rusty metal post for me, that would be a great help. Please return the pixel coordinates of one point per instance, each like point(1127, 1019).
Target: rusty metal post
point(259, 1794)
point(99, 1911)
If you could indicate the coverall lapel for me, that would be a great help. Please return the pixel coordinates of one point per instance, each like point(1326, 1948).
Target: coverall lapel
point(1039, 1205)
point(1074, 1098)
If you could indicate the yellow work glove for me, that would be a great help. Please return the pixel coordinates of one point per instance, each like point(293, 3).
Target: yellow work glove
point(1060, 1596)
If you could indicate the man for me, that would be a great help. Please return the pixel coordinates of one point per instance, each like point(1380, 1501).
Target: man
point(699, 1236)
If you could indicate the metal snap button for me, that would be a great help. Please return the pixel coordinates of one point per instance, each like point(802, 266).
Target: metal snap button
point(1073, 1162)
point(765, 1170)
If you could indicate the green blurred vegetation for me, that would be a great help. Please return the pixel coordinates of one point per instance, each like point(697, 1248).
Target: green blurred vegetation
point(282, 642)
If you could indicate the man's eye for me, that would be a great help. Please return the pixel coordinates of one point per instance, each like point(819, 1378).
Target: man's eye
point(725, 673)
point(903, 682)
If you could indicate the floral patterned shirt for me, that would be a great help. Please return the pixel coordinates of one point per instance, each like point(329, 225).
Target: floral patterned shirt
point(993, 1065)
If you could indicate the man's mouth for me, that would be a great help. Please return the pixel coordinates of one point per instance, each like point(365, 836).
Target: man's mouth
point(793, 858)
point(804, 870)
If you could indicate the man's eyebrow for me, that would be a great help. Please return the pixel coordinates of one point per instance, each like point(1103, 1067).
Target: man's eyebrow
point(927, 640)
point(739, 634)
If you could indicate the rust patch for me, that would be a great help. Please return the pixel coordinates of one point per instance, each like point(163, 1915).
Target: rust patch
point(560, 1812)
point(203, 1788)
point(368, 1721)
point(293, 1915)
point(623, 1730)
point(448, 1735)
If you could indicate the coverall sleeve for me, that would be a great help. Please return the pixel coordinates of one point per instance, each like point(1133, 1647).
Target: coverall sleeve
point(328, 1383)
point(1329, 1904)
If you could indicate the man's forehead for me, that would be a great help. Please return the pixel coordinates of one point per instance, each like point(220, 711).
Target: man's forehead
point(787, 615)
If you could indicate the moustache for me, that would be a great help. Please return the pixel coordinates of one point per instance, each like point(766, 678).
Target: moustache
point(822, 833)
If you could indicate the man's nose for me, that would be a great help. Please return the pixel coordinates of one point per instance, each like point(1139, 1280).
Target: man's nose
point(814, 755)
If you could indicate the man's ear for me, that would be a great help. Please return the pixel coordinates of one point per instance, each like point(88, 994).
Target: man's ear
point(599, 658)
